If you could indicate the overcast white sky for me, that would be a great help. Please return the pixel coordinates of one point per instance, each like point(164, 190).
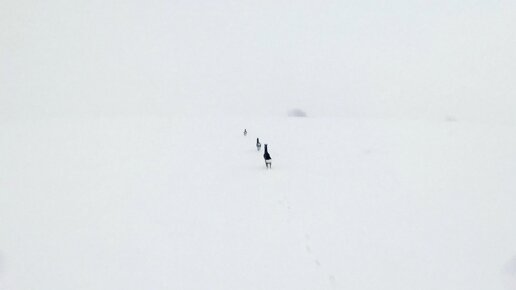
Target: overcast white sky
point(398, 58)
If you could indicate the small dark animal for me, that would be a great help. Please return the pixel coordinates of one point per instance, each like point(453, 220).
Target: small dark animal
point(267, 158)
point(258, 144)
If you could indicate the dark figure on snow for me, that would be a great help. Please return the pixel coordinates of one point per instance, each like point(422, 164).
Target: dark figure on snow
point(258, 144)
point(267, 158)
point(245, 132)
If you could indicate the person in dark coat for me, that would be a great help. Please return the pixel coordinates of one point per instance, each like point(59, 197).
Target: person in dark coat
point(267, 158)
point(258, 144)
point(245, 132)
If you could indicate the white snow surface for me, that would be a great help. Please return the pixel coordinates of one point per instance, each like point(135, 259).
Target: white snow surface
point(186, 203)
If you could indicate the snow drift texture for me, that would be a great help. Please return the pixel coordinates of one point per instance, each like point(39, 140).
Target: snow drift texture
point(134, 203)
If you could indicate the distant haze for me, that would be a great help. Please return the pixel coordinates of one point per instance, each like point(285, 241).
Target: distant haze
point(401, 59)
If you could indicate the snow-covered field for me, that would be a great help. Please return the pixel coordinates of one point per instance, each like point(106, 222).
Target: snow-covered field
point(186, 203)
